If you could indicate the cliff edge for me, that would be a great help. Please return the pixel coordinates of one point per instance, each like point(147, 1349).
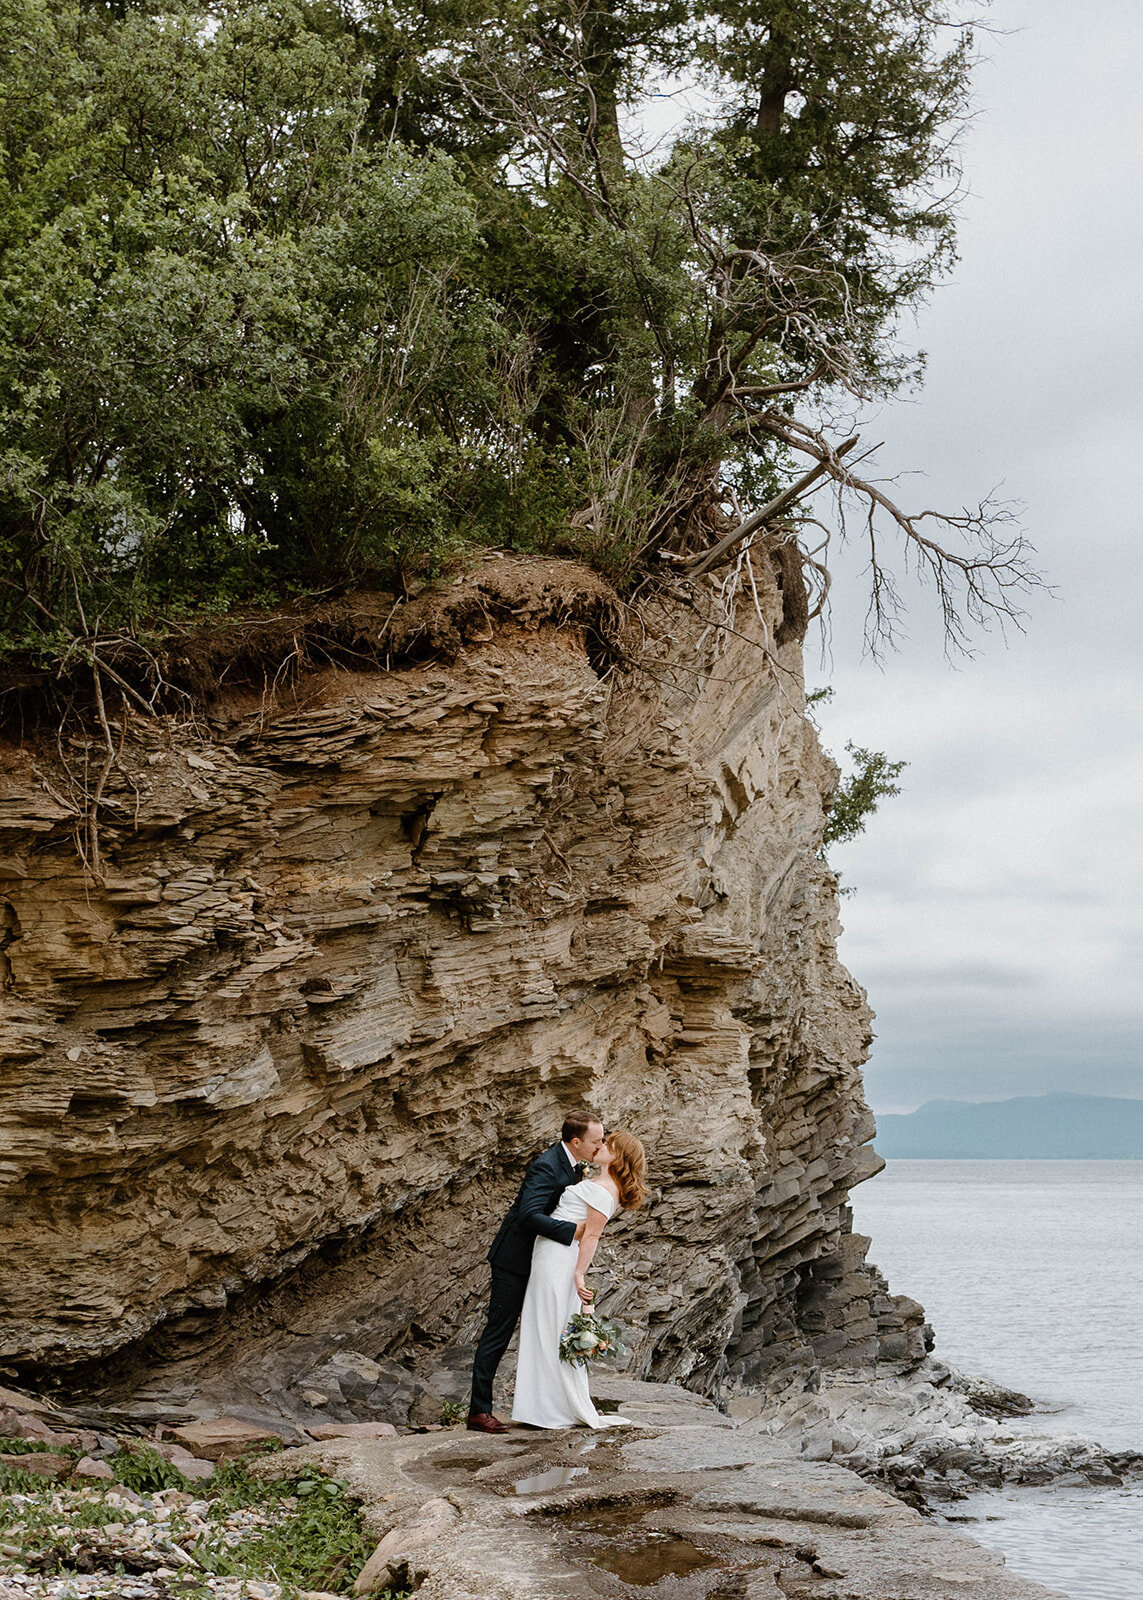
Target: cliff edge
point(271, 1079)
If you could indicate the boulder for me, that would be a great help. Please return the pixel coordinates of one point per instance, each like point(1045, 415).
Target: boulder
point(87, 1467)
point(13, 1399)
point(221, 1437)
point(392, 1555)
point(191, 1466)
point(24, 1425)
point(40, 1463)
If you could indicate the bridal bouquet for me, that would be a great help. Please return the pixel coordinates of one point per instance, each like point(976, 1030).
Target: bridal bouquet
point(589, 1338)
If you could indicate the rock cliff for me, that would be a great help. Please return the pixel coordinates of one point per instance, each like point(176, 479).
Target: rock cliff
point(269, 1082)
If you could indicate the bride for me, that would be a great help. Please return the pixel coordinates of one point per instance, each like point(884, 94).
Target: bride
point(551, 1393)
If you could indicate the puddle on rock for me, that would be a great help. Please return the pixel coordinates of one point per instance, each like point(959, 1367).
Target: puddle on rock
point(616, 1538)
point(462, 1461)
point(610, 1517)
point(646, 1558)
point(554, 1478)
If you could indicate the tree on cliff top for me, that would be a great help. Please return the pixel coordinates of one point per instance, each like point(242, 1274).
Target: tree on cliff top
point(295, 296)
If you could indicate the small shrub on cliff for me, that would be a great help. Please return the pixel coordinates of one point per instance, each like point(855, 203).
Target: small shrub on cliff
point(858, 796)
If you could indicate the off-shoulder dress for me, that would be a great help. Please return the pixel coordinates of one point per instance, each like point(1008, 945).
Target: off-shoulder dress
point(551, 1393)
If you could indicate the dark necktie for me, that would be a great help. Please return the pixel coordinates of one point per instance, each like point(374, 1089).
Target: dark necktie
point(578, 1171)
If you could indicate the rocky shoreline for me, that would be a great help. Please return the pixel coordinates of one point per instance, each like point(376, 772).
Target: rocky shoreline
point(832, 1490)
point(684, 1502)
point(934, 1435)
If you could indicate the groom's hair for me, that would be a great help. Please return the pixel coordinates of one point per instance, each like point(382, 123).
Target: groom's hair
point(576, 1124)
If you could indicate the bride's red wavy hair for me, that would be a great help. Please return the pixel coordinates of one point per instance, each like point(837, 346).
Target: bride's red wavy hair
point(628, 1168)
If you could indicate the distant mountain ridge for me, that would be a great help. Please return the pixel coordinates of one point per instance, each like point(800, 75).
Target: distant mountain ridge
point(1044, 1127)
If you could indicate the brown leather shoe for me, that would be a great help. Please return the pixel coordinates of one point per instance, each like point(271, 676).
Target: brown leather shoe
point(484, 1422)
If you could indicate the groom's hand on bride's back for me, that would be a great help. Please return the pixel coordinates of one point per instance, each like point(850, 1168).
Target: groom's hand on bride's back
point(579, 1227)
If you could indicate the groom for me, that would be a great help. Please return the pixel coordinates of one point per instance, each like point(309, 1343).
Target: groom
point(511, 1252)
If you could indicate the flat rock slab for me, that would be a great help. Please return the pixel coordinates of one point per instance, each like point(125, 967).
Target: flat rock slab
point(352, 1430)
point(684, 1505)
point(222, 1437)
point(657, 1405)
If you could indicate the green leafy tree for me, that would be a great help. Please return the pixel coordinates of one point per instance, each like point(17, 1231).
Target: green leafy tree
point(240, 349)
point(712, 308)
point(299, 294)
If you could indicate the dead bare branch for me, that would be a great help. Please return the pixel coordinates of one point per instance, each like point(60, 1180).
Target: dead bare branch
point(768, 513)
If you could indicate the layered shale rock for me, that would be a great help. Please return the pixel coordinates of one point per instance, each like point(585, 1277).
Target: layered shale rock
point(270, 1081)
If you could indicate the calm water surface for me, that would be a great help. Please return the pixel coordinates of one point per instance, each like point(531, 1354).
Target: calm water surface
point(1032, 1274)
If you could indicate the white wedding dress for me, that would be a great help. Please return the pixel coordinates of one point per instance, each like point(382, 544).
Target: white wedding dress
point(551, 1393)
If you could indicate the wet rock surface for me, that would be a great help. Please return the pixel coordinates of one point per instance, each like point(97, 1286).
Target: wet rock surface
point(683, 1505)
point(682, 1501)
point(933, 1436)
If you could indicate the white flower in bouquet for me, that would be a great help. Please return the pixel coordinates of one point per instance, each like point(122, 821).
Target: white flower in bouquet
point(588, 1338)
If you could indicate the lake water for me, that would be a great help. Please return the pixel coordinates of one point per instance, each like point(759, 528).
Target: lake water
point(1032, 1274)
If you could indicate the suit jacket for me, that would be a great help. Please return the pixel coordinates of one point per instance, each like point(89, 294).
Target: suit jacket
point(544, 1183)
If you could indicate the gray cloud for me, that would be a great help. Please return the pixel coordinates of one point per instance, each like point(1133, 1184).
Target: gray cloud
point(998, 919)
point(956, 975)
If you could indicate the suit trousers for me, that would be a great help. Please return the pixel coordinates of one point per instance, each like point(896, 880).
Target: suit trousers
point(504, 1307)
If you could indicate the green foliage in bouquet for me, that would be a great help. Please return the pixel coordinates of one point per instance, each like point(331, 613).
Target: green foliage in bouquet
point(589, 1338)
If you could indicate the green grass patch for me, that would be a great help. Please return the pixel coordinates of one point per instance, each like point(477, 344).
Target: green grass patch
point(311, 1534)
point(139, 1467)
point(13, 1481)
point(315, 1539)
point(34, 1523)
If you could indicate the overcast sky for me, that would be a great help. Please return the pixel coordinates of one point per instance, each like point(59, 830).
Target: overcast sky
point(998, 916)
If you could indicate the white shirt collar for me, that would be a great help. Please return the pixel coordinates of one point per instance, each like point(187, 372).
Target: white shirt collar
point(569, 1155)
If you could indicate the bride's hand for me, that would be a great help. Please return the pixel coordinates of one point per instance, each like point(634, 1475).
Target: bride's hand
point(586, 1295)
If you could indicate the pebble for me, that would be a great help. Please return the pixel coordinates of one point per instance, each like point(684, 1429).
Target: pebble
point(147, 1531)
point(113, 1586)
